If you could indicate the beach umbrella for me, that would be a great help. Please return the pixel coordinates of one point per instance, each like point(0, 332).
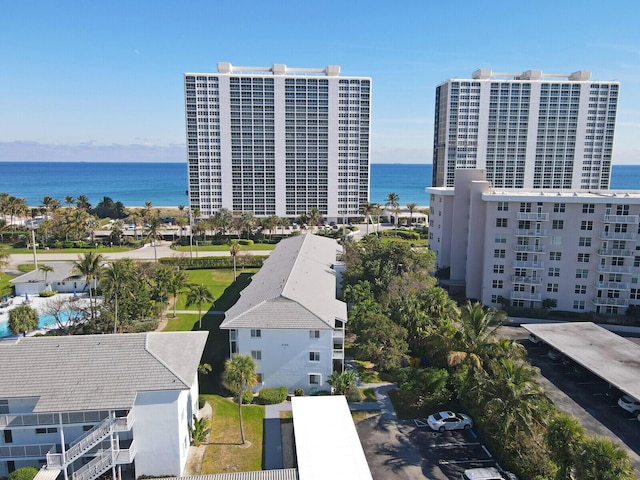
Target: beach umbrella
point(75, 294)
point(26, 297)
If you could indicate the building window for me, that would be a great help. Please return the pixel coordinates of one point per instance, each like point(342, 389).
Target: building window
point(586, 225)
point(43, 431)
point(8, 436)
point(584, 242)
point(555, 256)
point(494, 298)
point(503, 206)
point(314, 356)
point(581, 289)
point(588, 208)
point(314, 378)
point(498, 284)
point(636, 262)
point(557, 224)
point(552, 287)
point(256, 354)
point(4, 407)
point(502, 222)
point(554, 272)
point(617, 261)
point(578, 304)
point(559, 207)
point(499, 253)
point(314, 333)
point(501, 238)
point(582, 273)
point(498, 269)
point(259, 378)
point(256, 333)
point(635, 294)
point(584, 258)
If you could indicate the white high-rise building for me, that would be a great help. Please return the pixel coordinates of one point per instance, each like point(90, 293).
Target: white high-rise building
point(527, 130)
point(278, 140)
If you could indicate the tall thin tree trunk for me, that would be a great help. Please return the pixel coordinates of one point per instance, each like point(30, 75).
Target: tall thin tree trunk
point(240, 415)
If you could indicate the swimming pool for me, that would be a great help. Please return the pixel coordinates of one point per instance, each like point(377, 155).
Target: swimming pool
point(43, 321)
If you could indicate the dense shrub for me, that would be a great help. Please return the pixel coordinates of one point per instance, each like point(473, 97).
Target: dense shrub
point(353, 394)
point(48, 294)
point(272, 396)
point(213, 262)
point(298, 392)
point(201, 401)
point(245, 242)
point(24, 473)
point(247, 397)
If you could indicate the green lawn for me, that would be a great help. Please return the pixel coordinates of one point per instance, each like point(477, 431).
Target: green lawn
point(5, 286)
point(216, 280)
point(11, 250)
point(225, 453)
point(184, 322)
point(225, 247)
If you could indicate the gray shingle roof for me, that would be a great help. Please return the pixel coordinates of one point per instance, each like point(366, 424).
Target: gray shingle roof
point(98, 372)
point(61, 272)
point(295, 288)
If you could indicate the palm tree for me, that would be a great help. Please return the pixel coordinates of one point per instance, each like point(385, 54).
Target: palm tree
point(602, 459)
point(45, 269)
point(564, 438)
point(315, 216)
point(176, 282)
point(240, 373)
point(69, 200)
point(89, 265)
point(248, 222)
point(198, 294)
point(116, 279)
point(22, 319)
point(234, 248)
point(83, 203)
point(411, 206)
point(367, 209)
point(154, 234)
point(4, 259)
point(393, 201)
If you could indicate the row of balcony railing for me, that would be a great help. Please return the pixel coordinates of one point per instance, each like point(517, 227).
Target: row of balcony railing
point(607, 218)
point(42, 419)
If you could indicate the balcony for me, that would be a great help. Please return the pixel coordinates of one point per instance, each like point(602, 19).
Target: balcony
point(620, 219)
point(531, 233)
point(534, 297)
point(528, 264)
point(22, 452)
point(44, 419)
point(613, 285)
point(103, 461)
point(338, 354)
point(529, 248)
point(613, 269)
point(616, 302)
point(618, 235)
point(615, 252)
point(529, 280)
point(536, 217)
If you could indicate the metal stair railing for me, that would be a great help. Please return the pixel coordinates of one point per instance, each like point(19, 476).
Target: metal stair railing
point(88, 441)
point(95, 467)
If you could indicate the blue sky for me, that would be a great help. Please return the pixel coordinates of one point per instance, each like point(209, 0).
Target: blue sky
point(102, 80)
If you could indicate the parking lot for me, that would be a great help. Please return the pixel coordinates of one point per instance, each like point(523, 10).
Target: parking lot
point(403, 451)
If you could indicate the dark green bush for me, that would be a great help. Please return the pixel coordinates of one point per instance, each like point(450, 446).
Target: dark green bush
point(24, 473)
point(272, 396)
point(353, 394)
point(201, 401)
point(298, 392)
point(245, 242)
point(203, 263)
point(48, 294)
point(247, 396)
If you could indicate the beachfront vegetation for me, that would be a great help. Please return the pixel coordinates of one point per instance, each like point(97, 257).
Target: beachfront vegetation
point(22, 319)
point(392, 294)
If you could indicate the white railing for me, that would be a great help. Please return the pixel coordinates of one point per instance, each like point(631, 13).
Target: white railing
point(88, 441)
point(529, 248)
point(613, 269)
point(528, 280)
point(104, 460)
point(614, 252)
point(617, 302)
point(8, 452)
point(620, 218)
point(618, 235)
point(613, 285)
point(338, 354)
point(535, 297)
point(532, 265)
point(530, 233)
point(540, 217)
point(38, 419)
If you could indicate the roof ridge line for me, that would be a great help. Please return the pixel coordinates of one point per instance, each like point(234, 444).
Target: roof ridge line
point(162, 362)
point(293, 266)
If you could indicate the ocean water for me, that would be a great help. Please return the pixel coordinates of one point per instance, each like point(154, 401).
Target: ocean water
point(165, 184)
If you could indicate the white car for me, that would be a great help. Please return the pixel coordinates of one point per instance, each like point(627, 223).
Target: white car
point(630, 404)
point(489, 473)
point(442, 421)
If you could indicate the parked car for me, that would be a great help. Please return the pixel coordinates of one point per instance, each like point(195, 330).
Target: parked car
point(485, 473)
point(554, 355)
point(630, 404)
point(442, 421)
point(533, 339)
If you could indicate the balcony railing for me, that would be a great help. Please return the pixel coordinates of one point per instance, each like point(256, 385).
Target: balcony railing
point(535, 297)
point(103, 462)
point(615, 252)
point(528, 280)
point(528, 264)
point(10, 452)
point(613, 269)
point(530, 233)
point(617, 302)
point(529, 248)
point(338, 354)
point(536, 217)
point(620, 218)
point(618, 235)
point(41, 419)
point(613, 285)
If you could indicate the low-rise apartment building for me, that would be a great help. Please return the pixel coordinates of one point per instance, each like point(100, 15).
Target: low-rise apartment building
point(578, 248)
point(83, 406)
point(289, 319)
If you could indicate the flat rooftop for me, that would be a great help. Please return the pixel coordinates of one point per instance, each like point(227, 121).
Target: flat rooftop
point(327, 443)
point(610, 356)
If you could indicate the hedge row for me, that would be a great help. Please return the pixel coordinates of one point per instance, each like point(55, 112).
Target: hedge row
point(203, 263)
point(272, 396)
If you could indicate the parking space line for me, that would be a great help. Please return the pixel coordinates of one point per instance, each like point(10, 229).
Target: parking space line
point(487, 451)
point(473, 433)
point(455, 444)
point(453, 462)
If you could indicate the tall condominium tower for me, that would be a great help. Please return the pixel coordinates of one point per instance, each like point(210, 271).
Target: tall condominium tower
point(527, 130)
point(278, 140)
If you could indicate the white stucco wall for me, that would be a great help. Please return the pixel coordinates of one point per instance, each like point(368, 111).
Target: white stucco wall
point(285, 357)
point(160, 432)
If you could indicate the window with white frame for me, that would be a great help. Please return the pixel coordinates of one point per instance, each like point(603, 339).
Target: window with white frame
point(554, 272)
point(499, 253)
point(502, 222)
point(552, 287)
point(314, 333)
point(501, 238)
point(580, 289)
point(256, 333)
point(314, 356)
point(584, 242)
point(578, 304)
point(498, 269)
point(582, 273)
point(559, 207)
point(555, 256)
point(584, 258)
point(498, 284)
point(256, 354)
point(315, 379)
